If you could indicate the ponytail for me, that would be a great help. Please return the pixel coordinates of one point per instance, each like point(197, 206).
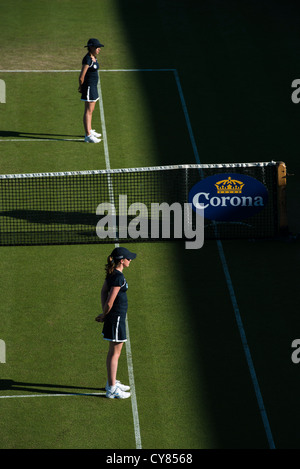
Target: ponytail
point(110, 266)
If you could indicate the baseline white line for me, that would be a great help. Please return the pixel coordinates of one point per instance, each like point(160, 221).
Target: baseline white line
point(136, 423)
point(53, 395)
point(231, 291)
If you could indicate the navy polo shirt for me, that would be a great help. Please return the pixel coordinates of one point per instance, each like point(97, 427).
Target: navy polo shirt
point(117, 279)
point(91, 77)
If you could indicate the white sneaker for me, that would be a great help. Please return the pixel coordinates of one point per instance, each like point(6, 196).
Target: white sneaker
point(93, 132)
point(91, 139)
point(114, 392)
point(121, 386)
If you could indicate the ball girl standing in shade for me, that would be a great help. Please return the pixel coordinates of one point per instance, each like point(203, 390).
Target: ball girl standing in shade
point(88, 80)
point(114, 307)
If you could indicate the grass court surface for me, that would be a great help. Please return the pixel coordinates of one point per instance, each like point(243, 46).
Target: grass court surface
point(195, 387)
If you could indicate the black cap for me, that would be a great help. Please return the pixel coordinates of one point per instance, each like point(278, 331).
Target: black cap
point(122, 253)
point(94, 43)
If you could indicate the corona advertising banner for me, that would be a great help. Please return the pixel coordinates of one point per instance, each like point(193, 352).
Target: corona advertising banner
point(228, 197)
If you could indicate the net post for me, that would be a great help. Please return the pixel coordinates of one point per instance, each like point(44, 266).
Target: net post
point(281, 199)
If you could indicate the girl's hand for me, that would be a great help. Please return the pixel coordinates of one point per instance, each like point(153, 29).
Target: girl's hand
point(100, 318)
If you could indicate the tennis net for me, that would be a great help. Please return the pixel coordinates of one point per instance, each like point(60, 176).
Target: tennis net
point(107, 206)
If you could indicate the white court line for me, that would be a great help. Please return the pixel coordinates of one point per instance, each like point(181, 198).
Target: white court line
point(136, 422)
point(231, 291)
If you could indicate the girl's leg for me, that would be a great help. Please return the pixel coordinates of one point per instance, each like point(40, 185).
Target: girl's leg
point(87, 117)
point(112, 361)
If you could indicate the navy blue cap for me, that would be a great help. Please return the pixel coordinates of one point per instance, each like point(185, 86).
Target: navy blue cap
point(122, 253)
point(94, 43)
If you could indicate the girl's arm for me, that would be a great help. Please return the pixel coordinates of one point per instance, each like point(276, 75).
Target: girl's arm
point(108, 303)
point(104, 294)
point(82, 76)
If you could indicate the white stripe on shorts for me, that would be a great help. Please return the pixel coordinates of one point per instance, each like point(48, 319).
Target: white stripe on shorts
point(117, 328)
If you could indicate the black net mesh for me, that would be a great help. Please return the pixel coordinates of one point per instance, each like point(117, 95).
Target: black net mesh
point(63, 208)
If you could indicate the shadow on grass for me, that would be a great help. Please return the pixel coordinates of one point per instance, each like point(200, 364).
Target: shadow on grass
point(10, 134)
point(219, 50)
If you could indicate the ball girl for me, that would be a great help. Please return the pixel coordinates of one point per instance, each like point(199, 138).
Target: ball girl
point(114, 307)
point(88, 80)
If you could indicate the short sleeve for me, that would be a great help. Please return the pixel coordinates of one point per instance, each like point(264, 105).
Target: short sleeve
point(87, 60)
point(117, 280)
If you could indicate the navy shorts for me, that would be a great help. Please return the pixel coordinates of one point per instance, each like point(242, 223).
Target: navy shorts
point(114, 328)
point(89, 93)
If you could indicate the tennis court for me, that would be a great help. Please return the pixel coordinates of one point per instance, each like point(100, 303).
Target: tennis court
point(209, 355)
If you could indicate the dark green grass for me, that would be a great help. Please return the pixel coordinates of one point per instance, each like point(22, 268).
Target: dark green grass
point(53, 35)
point(54, 345)
point(64, 423)
point(141, 139)
point(45, 106)
point(267, 291)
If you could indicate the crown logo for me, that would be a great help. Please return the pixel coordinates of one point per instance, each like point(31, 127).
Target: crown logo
point(229, 186)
